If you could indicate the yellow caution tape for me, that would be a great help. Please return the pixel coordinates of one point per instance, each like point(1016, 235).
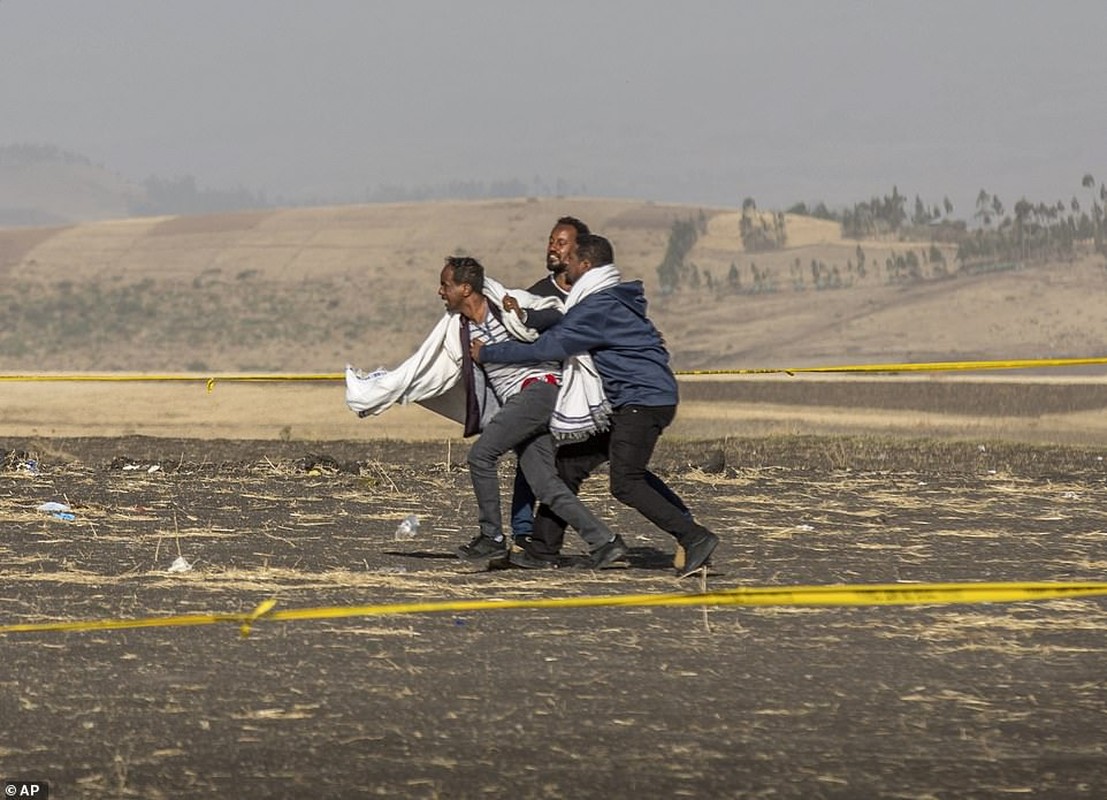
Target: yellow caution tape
point(145, 378)
point(931, 366)
point(210, 381)
point(880, 594)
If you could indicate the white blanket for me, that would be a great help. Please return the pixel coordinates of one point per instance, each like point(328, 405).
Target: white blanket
point(431, 375)
point(582, 407)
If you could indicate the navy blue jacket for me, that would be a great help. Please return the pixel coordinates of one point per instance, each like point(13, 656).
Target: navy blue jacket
point(626, 348)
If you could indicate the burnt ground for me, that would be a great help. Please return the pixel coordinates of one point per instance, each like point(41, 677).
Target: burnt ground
point(937, 701)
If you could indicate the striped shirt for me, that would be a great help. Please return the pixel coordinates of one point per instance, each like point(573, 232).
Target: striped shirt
point(507, 379)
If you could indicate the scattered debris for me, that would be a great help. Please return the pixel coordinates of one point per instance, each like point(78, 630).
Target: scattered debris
point(180, 564)
point(53, 506)
point(715, 462)
point(316, 464)
point(58, 510)
point(407, 529)
point(321, 464)
point(18, 461)
point(127, 464)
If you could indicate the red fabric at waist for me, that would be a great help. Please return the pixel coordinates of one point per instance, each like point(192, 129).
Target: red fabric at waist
point(549, 377)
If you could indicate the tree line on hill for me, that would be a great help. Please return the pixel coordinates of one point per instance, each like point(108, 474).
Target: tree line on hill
point(1003, 239)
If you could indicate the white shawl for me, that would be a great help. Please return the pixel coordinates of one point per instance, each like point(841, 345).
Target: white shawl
point(431, 375)
point(582, 407)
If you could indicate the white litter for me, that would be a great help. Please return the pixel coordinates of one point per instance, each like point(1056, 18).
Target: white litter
point(408, 529)
point(53, 506)
point(179, 565)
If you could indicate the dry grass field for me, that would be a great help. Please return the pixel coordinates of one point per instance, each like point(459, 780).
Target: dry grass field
point(1041, 410)
point(277, 491)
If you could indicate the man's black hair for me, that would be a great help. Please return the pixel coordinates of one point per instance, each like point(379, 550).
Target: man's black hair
point(580, 227)
point(467, 270)
point(595, 249)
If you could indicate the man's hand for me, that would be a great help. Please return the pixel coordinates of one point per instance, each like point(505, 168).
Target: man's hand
point(474, 349)
point(511, 304)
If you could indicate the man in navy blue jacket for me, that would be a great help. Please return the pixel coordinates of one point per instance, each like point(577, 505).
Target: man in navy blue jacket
point(607, 319)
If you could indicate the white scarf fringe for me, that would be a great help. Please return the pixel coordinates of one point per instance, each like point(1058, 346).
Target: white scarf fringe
point(582, 406)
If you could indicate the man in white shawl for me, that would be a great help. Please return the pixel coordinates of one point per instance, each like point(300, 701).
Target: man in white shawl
point(525, 397)
point(605, 332)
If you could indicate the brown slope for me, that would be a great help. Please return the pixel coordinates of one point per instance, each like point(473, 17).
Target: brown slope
point(1048, 311)
point(310, 289)
point(300, 289)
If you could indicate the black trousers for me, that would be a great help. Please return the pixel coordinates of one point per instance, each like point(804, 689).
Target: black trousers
point(628, 445)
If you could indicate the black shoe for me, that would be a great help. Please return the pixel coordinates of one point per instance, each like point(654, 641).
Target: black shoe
point(528, 560)
point(603, 557)
point(697, 551)
point(482, 547)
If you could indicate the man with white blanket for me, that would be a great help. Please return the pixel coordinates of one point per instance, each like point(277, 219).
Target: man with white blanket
point(511, 405)
point(605, 332)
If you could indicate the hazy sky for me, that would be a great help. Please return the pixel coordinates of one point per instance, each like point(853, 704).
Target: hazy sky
point(690, 101)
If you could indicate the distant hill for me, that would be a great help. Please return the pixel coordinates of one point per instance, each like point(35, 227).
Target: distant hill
point(43, 185)
point(307, 290)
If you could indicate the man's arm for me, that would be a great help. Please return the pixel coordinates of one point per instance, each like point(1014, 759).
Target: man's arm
point(579, 331)
point(541, 319)
point(506, 352)
point(538, 319)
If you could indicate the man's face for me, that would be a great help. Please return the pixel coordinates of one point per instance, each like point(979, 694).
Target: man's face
point(452, 294)
point(574, 267)
point(562, 239)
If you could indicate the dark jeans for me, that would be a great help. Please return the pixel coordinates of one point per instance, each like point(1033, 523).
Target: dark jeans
point(523, 500)
point(628, 445)
point(522, 505)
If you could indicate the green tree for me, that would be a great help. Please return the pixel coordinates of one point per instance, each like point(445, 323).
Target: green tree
point(682, 238)
point(759, 234)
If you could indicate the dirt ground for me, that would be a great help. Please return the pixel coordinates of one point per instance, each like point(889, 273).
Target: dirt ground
point(957, 701)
